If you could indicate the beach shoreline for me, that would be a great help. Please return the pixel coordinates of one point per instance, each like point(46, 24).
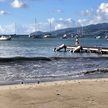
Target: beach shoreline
point(84, 93)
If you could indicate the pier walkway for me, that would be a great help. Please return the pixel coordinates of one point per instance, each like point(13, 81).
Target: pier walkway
point(81, 49)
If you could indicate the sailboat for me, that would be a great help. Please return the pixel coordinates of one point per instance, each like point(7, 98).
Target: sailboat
point(36, 34)
point(5, 37)
point(49, 35)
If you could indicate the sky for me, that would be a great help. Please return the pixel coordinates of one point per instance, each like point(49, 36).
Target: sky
point(27, 16)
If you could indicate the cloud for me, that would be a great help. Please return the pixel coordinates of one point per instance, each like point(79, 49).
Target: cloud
point(51, 20)
point(41, 26)
point(87, 13)
point(102, 11)
point(82, 22)
point(2, 12)
point(69, 20)
point(1, 29)
point(7, 29)
point(56, 24)
point(94, 20)
point(103, 8)
point(61, 23)
point(59, 26)
point(100, 15)
point(20, 29)
point(25, 29)
point(18, 4)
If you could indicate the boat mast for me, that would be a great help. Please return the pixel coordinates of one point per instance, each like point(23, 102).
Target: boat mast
point(82, 33)
point(14, 28)
point(35, 25)
point(79, 29)
point(77, 26)
point(50, 25)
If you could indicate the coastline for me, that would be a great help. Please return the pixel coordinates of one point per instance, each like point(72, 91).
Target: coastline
point(91, 93)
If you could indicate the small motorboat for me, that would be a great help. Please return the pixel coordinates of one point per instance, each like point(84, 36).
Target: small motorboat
point(98, 37)
point(3, 38)
point(64, 36)
point(47, 36)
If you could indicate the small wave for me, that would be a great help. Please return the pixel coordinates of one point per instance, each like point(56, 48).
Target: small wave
point(93, 58)
point(10, 59)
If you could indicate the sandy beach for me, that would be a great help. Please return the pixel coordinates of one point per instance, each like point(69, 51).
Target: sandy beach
point(91, 93)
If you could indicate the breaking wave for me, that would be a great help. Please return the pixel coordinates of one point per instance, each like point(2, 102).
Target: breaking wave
point(19, 58)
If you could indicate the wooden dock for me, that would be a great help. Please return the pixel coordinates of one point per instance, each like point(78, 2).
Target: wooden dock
point(98, 50)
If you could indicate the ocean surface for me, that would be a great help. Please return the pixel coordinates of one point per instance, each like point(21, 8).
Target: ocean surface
point(28, 60)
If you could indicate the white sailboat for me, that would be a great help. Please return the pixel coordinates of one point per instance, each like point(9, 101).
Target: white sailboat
point(5, 37)
point(49, 35)
point(36, 33)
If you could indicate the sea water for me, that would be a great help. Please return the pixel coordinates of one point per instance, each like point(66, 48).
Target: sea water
point(26, 60)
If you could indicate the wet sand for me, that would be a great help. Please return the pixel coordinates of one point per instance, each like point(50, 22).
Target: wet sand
point(91, 93)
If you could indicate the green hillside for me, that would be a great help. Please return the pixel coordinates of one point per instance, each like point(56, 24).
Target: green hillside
point(90, 30)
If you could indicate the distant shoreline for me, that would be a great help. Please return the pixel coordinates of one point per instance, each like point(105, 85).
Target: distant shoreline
point(14, 34)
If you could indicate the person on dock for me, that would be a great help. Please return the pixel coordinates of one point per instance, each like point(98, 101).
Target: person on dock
point(77, 43)
point(78, 47)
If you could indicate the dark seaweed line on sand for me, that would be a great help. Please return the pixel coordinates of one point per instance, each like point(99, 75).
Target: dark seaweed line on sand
point(99, 70)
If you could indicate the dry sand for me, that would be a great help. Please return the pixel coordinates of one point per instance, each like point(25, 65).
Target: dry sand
point(63, 94)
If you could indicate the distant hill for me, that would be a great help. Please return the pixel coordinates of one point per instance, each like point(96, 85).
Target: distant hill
point(90, 30)
point(97, 29)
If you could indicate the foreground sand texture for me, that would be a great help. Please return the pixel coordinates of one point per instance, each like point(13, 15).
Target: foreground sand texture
point(63, 94)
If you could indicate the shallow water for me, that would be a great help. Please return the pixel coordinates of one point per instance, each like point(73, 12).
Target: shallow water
point(31, 60)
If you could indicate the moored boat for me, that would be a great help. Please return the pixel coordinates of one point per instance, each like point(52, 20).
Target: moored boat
point(3, 38)
point(64, 36)
point(47, 36)
point(98, 37)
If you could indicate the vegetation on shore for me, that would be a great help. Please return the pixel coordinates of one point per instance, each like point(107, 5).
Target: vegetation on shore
point(86, 31)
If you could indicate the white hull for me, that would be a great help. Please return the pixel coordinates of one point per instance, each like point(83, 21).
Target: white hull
point(3, 38)
point(98, 37)
point(77, 49)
